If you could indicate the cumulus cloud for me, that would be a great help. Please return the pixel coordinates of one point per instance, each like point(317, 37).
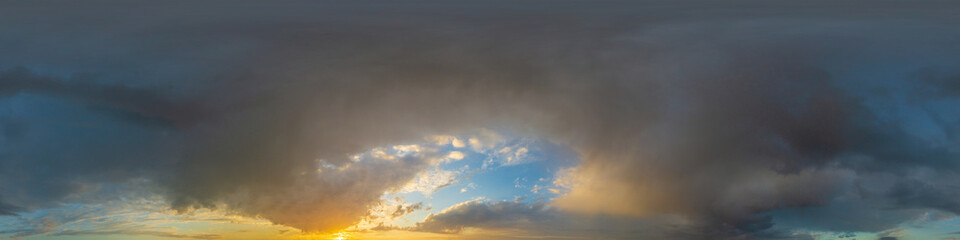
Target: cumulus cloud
point(675, 110)
point(446, 140)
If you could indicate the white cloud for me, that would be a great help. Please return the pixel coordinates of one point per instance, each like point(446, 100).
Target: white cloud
point(518, 183)
point(455, 155)
point(514, 154)
point(380, 153)
point(428, 182)
point(516, 157)
point(404, 150)
point(476, 144)
point(485, 140)
point(441, 140)
point(457, 143)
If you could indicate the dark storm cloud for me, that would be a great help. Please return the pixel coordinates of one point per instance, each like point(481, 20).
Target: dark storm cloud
point(7, 209)
point(914, 193)
point(938, 82)
point(137, 105)
point(49, 151)
point(12, 128)
point(709, 112)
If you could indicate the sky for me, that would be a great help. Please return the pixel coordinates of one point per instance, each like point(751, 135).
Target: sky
point(457, 119)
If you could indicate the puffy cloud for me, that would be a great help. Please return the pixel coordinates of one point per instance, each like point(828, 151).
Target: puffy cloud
point(469, 186)
point(446, 140)
point(485, 140)
point(455, 155)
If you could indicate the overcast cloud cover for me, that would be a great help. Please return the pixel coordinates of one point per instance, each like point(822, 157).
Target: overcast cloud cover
point(691, 120)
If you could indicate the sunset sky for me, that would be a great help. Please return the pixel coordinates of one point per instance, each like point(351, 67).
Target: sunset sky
point(462, 119)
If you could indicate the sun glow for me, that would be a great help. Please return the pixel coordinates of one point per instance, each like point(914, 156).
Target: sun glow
point(341, 236)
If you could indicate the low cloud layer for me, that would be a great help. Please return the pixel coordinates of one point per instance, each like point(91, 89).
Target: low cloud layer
point(725, 118)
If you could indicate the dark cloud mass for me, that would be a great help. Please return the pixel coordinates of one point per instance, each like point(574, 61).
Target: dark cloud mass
point(505, 214)
point(727, 117)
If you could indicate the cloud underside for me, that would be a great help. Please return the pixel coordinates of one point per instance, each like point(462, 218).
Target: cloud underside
point(728, 123)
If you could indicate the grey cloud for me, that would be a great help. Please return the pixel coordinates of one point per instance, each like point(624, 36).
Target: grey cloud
point(136, 233)
point(876, 203)
point(845, 216)
point(147, 105)
point(536, 218)
point(914, 193)
point(479, 214)
point(132, 210)
point(939, 82)
point(676, 108)
point(544, 222)
point(12, 129)
point(6, 209)
point(382, 227)
point(404, 210)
